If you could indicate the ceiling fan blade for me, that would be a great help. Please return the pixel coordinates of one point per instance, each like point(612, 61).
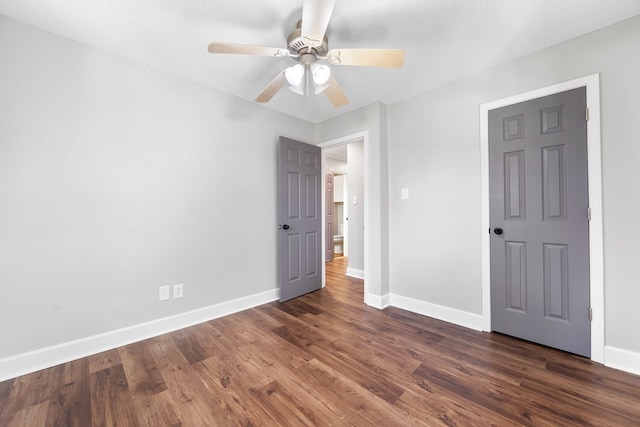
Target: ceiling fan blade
point(315, 18)
point(367, 57)
point(246, 49)
point(272, 88)
point(335, 94)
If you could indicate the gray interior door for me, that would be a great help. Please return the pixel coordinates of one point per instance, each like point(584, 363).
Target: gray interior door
point(329, 218)
point(300, 218)
point(539, 221)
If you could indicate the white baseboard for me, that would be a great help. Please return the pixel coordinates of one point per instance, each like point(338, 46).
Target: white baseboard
point(356, 273)
point(451, 315)
point(378, 301)
point(36, 360)
point(624, 360)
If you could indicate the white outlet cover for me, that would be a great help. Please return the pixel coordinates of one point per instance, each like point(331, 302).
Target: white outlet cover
point(178, 291)
point(164, 293)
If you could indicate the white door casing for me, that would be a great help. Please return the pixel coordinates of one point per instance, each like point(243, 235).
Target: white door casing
point(596, 244)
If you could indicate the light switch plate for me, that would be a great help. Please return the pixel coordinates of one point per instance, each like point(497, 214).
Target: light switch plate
point(355, 200)
point(404, 193)
point(164, 293)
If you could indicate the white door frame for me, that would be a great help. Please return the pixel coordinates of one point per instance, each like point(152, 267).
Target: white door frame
point(364, 137)
point(594, 166)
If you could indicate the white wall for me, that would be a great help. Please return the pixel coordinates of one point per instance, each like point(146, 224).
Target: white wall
point(116, 179)
point(355, 185)
point(335, 166)
point(434, 151)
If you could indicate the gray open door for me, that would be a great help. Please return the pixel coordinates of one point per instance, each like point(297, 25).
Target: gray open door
point(328, 218)
point(300, 218)
point(539, 221)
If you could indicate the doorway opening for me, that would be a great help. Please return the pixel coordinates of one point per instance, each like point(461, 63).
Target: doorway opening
point(344, 207)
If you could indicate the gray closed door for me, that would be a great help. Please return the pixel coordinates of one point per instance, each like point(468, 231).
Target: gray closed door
point(539, 221)
point(300, 218)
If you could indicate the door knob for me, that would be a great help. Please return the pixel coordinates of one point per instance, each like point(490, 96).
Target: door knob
point(286, 227)
point(498, 231)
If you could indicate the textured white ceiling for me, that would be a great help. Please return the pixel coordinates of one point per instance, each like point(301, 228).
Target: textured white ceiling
point(445, 39)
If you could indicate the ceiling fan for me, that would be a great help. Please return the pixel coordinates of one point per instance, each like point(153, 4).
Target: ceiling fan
point(308, 46)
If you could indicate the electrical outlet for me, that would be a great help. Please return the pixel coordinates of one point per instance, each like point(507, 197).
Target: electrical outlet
point(178, 291)
point(164, 293)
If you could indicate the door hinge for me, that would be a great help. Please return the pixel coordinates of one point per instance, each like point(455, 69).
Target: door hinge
point(590, 314)
point(586, 114)
point(588, 213)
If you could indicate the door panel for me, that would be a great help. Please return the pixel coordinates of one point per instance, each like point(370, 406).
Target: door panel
point(539, 198)
point(514, 183)
point(313, 196)
point(556, 286)
point(293, 193)
point(516, 272)
point(300, 218)
point(554, 194)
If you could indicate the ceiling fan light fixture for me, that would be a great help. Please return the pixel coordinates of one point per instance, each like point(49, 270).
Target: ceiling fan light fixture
point(297, 89)
point(321, 88)
point(320, 73)
point(308, 45)
point(294, 74)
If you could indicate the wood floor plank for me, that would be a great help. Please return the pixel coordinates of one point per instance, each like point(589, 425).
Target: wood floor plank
point(157, 410)
point(285, 406)
point(6, 390)
point(189, 346)
point(297, 307)
point(438, 407)
point(194, 403)
point(111, 401)
point(238, 387)
point(143, 376)
point(504, 399)
point(33, 389)
point(70, 404)
point(319, 399)
point(324, 350)
point(325, 359)
point(355, 399)
point(602, 416)
point(166, 353)
point(265, 341)
point(104, 360)
point(622, 385)
point(35, 415)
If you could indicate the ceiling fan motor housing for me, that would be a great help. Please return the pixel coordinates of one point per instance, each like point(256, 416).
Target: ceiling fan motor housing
point(297, 45)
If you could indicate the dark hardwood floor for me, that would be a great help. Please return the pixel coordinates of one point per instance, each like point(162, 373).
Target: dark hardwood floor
point(324, 359)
